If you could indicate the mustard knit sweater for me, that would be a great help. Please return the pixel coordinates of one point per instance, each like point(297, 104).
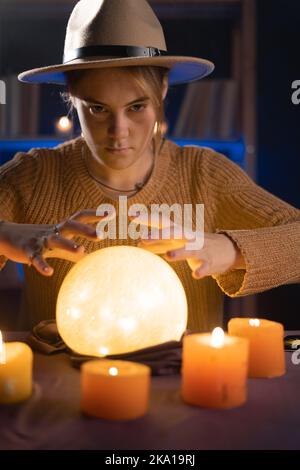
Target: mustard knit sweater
point(46, 186)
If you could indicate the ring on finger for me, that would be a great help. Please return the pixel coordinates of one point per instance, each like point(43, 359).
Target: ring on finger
point(56, 230)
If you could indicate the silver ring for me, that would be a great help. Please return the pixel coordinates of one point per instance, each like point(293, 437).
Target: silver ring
point(56, 231)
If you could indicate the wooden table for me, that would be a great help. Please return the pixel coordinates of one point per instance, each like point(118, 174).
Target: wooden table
point(51, 419)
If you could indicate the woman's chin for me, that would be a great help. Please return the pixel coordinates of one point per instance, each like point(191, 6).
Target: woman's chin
point(117, 163)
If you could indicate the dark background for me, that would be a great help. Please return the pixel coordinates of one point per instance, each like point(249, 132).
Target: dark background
point(32, 36)
point(278, 126)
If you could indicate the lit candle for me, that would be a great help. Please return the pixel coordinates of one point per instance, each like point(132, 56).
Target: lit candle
point(115, 390)
point(15, 371)
point(214, 370)
point(266, 354)
point(64, 125)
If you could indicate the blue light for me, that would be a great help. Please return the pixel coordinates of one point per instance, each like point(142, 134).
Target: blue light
point(24, 145)
point(20, 272)
point(235, 150)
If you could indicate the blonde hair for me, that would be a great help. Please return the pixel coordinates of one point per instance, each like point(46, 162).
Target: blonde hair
point(148, 78)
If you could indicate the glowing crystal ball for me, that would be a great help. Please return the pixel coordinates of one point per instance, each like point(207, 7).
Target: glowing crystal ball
point(120, 299)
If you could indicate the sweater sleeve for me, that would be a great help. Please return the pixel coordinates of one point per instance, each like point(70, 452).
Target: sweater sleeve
point(8, 209)
point(265, 228)
point(17, 179)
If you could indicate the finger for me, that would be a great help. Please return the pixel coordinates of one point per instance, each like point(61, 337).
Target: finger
point(59, 253)
point(178, 242)
point(161, 246)
point(161, 226)
point(159, 221)
point(72, 228)
point(157, 248)
point(173, 243)
point(164, 235)
point(202, 271)
point(55, 241)
point(194, 263)
point(41, 265)
point(88, 216)
point(182, 254)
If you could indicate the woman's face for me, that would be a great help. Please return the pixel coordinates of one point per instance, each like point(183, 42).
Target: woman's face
point(117, 119)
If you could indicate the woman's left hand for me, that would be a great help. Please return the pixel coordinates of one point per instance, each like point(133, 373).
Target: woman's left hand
point(218, 254)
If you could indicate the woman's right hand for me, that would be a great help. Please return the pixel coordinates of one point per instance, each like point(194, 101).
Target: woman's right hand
point(32, 243)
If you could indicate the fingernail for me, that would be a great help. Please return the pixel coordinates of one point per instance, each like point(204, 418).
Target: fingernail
point(75, 247)
point(46, 269)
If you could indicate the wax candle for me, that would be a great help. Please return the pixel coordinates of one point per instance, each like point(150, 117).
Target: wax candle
point(115, 390)
point(266, 354)
point(15, 371)
point(214, 370)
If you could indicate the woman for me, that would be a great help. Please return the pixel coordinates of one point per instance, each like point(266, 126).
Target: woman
point(117, 87)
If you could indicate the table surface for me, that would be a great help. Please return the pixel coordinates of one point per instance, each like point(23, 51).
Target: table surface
point(51, 418)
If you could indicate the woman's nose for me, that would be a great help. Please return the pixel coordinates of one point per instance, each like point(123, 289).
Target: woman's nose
point(118, 127)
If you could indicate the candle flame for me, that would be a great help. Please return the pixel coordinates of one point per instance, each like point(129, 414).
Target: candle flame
point(217, 337)
point(113, 371)
point(254, 322)
point(2, 351)
point(64, 124)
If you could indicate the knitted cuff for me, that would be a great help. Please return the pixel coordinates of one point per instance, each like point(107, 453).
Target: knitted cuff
point(271, 255)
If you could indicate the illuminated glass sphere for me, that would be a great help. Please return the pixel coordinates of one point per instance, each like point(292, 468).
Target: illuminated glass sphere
point(120, 299)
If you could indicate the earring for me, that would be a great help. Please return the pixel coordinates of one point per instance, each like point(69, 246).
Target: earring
point(156, 128)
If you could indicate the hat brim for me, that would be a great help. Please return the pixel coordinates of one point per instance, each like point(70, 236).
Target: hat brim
point(182, 69)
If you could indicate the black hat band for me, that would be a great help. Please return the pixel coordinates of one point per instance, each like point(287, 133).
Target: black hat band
point(112, 51)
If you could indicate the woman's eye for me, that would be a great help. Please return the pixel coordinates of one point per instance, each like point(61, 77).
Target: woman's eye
point(137, 107)
point(96, 109)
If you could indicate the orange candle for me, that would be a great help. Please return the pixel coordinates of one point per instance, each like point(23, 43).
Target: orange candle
point(266, 354)
point(214, 370)
point(15, 371)
point(116, 390)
